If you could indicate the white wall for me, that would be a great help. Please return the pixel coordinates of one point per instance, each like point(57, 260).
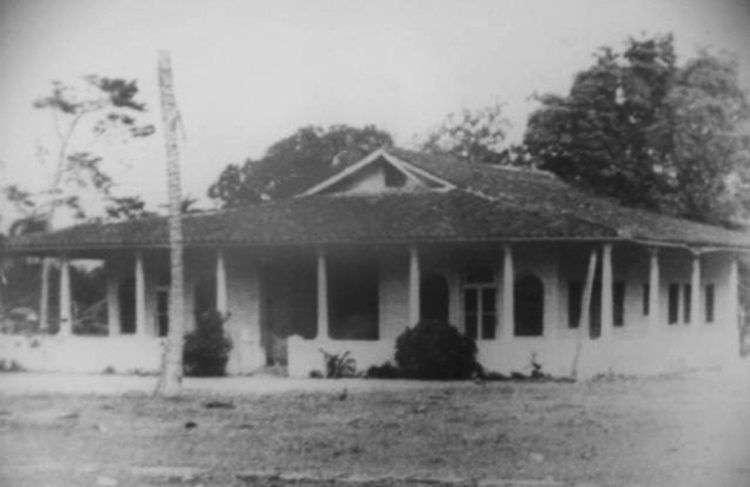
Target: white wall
point(634, 348)
point(85, 354)
point(243, 325)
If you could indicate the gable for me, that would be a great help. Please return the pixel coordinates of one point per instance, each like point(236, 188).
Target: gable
point(378, 173)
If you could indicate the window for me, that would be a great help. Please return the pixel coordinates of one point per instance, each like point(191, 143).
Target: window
point(618, 296)
point(674, 303)
point(353, 298)
point(480, 293)
point(126, 295)
point(709, 303)
point(646, 299)
point(393, 177)
point(162, 310)
point(529, 306)
point(687, 290)
point(487, 307)
point(575, 293)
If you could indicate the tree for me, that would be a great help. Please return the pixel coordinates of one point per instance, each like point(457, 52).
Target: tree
point(472, 136)
point(638, 127)
point(127, 208)
point(116, 109)
point(171, 370)
point(295, 163)
point(134, 208)
point(106, 106)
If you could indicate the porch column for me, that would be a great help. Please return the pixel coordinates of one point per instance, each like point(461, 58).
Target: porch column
point(734, 289)
point(113, 306)
point(695, 291)
point(221, 284)
point(66, 312)
point(414, 277)
point(322, 296)
point(508, 292)
point(607, 307)
point(44, 295)
point(140, 296)
point(653, 289)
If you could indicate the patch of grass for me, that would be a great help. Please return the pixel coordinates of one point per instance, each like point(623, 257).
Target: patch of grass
point(603, 431)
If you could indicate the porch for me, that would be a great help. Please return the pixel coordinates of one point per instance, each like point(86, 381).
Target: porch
point(651, 309)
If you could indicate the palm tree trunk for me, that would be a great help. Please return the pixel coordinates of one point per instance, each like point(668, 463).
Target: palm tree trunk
point(171, 370)
point(583, 323)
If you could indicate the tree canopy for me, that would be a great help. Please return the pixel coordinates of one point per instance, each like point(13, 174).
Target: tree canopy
point(295, 163)
point(641, 128)
point(476, 136)
point(99, 105)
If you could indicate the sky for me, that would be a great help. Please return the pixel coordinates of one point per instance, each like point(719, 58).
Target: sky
point(248, 73)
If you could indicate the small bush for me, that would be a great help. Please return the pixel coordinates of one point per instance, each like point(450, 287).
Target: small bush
point(339, 365)
point(384, 371)
point(10, 366)
point(437, 351)
point(207, 348)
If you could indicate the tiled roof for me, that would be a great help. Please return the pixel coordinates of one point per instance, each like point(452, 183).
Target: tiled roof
point(452, 216)
point(490, 203)
point(548, 194)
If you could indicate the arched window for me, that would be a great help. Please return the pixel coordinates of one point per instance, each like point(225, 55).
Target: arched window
point(529, 306)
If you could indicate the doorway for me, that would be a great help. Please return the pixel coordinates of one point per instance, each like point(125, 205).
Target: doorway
point(433, 298)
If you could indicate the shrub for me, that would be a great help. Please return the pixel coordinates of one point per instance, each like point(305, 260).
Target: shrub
point(10, 366)
point(384, 371)
point(435, 350)
point(207, 348)
point(339, 365)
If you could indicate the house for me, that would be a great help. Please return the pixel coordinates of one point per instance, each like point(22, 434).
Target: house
point(507, 255)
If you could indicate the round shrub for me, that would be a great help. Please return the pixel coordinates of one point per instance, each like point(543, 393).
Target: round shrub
point(207, 348)
point(384, 371)
point(435, 350)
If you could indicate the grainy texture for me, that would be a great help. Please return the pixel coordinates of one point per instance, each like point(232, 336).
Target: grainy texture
point(682, 430)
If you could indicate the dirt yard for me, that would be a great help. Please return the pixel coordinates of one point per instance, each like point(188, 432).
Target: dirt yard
point(679, 430)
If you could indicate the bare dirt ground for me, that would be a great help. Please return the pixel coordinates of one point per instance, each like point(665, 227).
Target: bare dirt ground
point(679, 430)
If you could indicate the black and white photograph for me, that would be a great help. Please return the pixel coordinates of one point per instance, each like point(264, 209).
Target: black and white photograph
point(374, 243)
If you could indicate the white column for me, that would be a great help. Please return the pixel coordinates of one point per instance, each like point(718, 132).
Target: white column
point(221, 284)
point(66, 311)
point(140, 295)
point(607, 307)
point(44, 295)
point(113, 305)
point(695, 292)
point(322, 296)
point(734, 289)
point(653, 290)
point(414, 277)
point(508, 292)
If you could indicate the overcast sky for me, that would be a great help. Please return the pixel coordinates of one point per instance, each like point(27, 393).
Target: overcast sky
point(249, 73)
